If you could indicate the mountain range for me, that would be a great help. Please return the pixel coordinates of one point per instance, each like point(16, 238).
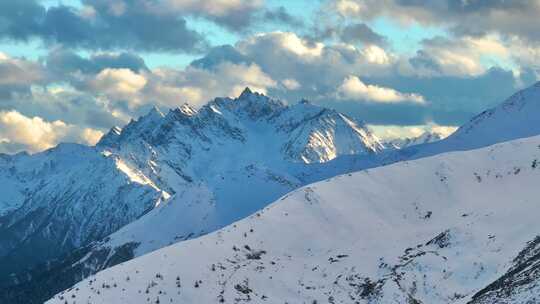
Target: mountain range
point(442, 229)
point(162, 178)
point(175, 177)
point(424, 138)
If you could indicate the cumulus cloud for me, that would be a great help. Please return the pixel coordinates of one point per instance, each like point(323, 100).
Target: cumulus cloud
point(305, 61)
point(285, 41)
point(361, 32)
point(100, 25)
point(455, 93)
point(196, 86)
point(390, 132)
point(477, 34)
point(458, 57)
point(353, 88)
point(281, 15)
point(121, 84)
point(64, 62)
point(291, 84)
point(376, 55)
point(109, 88)
point(343, 58)
point(234, 14)
point(33, 134)
point(18, 75)
point(131, 24)
point(463, 17)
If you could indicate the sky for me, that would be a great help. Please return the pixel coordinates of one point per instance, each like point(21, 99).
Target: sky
point(72, 69)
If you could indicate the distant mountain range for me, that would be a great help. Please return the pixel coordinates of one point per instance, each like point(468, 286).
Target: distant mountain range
point(424, 138)
point(168, 178)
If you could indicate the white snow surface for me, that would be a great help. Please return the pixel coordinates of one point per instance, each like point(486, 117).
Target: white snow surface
point(434, 230)
point(69, 194)
point(516, 117)
point(227, 160)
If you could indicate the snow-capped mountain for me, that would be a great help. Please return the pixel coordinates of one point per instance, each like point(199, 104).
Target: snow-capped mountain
point(209, 167)
point(443, 229)
point(180, 174)
point(424, 138)
point(227, 160)
point(64, 198)
point(516, 117)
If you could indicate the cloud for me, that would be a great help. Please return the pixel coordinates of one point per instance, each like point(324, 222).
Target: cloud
point(171, 88)
point(106, 89)
point(454, 90)
point(280, 15)
point(376, 55)
point(360, 32)
point(100, 25)
point(286, 41)
point(118, 83)
point(454, 99)
point(132, 24)
point(353, 88)
point(290, 84)
point(64, 62)
point(459, 57)
point(33, 134)
point(476, 17)
point(235, 15)
point(220, 54)
point(18, 75)
point(305, 60)
point(103, 89)
point(390, 132)
point(62, 102)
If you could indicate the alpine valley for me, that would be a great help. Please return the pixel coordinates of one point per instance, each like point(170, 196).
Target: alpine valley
point(250, 200)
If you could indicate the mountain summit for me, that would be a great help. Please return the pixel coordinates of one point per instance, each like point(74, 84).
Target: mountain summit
point(170, 177)
point(162, 178)
point(516, 117)
point(300, 133)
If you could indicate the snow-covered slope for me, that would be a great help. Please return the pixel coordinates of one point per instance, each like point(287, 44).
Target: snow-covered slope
point(232, 157)
point(64, 198)
point(434, 230)
point(517, 117)
point(227, 160)
point(209, 167)
point(199, 169)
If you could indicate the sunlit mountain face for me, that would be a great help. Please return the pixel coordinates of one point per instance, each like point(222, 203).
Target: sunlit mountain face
point(273, 151)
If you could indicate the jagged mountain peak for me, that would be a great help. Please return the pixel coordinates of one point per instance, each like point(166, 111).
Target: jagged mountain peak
point(246, 93)
point(153, 117)
point(111, 137)
point(155, 112)
point(303, 132)
point(249, 104)
point(187, 110)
